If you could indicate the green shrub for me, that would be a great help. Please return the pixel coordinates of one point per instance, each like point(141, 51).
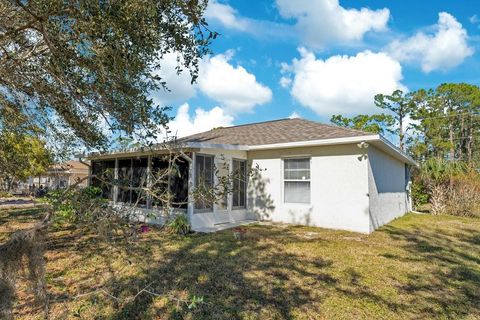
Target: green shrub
point(420, 194)
point(179, 225)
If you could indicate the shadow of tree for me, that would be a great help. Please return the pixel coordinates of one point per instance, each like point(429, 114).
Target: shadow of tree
point(451, 284)
point(236, 278)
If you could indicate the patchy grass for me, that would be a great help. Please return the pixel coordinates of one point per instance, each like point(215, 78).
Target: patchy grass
point(419, 266)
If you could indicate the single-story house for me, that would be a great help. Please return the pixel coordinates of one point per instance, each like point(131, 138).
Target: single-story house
point(310, 174)
point(57, 176)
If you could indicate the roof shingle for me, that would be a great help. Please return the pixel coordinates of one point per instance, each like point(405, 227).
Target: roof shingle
point(270, 132)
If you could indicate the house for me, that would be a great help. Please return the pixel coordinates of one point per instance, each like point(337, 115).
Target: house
point(309, 173)
point(59, 176)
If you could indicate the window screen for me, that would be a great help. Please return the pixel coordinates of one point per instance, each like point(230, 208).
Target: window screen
point(296, 176)
point(239, 193)
point(203, 180)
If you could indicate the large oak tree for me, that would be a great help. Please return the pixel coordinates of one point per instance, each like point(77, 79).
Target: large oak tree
point(79, 66)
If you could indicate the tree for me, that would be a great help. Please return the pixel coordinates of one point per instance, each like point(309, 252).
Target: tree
point(377, 123)
point(447, 122)
point(71, 66)
point(22, 156)
point(400, 105)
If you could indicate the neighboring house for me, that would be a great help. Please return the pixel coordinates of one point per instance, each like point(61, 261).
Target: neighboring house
point(311, 174)
point(60, 176)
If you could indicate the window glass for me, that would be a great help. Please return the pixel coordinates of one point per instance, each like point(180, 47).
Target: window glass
point(296, 177)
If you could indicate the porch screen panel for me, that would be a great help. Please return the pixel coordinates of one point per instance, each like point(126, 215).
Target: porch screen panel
point(124, 180)
point(171, 182)
point(139, 180)
point(239, 192)
point(104, 171)
point(296, 175)
point(223, 184)
point(203, 181)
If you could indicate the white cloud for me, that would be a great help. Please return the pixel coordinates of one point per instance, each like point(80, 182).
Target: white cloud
point(226, 15)
point(233, 87)
point(474, 19)
point(285, 82)
point(320, 22)
point(229, 18)
point(344, 84)
point(179, 85)
point(294, 115)
point(184, 124)
point(443, 50)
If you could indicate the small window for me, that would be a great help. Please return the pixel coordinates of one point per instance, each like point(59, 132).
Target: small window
point(296, 177)
point(239, 192)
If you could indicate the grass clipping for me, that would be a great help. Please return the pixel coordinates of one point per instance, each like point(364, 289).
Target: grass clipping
point(25, 249)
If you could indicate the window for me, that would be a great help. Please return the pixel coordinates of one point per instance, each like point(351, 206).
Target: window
point(204, 180)
point(296, 176)
point(239, 192)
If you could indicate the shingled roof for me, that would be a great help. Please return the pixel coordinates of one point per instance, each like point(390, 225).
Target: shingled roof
point(270, 132)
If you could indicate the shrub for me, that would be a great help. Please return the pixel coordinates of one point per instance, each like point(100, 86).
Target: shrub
point(464, 195)
point(420, 194)
point(179, 225)
point(451, 187)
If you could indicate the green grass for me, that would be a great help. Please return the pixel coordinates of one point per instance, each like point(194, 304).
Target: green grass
point(419, 266)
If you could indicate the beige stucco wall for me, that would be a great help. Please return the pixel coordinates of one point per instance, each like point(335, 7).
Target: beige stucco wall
point(339, 188)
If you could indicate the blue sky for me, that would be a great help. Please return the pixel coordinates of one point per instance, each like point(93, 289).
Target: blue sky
point(315, 58)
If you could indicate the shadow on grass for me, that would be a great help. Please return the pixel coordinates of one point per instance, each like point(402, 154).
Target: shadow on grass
point(451, 285)
point(253, 278)
point(236, 278)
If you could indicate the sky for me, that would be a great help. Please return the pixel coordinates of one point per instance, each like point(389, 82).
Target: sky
point(277, 59)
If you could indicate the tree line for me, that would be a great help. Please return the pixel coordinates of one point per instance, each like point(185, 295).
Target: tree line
point(443, 122)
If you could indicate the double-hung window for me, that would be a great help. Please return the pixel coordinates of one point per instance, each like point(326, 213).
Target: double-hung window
point(239, 192)
point(296, 179)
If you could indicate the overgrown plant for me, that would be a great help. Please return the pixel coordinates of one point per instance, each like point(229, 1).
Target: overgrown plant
point(179, 225)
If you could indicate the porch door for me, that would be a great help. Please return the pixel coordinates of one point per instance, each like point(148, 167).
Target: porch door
point(221, 213)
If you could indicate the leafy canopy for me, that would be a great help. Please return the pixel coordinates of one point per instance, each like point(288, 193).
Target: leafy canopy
point(22, 156)
point(377, 123)
point(79, 66)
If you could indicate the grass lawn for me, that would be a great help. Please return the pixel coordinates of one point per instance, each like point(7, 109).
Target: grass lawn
point(419, 266)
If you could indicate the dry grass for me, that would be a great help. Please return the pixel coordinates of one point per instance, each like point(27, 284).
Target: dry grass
point(419, 266)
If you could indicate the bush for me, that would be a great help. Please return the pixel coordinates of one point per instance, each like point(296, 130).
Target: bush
point(179, 225)
point(451, 187)
point(420, 194)
point(464, 195)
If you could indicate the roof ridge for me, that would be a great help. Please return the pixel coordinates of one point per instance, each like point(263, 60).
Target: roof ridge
point(250, 124)
point(338, 127)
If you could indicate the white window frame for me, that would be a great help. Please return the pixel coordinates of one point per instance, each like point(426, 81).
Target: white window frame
point(297, 180)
